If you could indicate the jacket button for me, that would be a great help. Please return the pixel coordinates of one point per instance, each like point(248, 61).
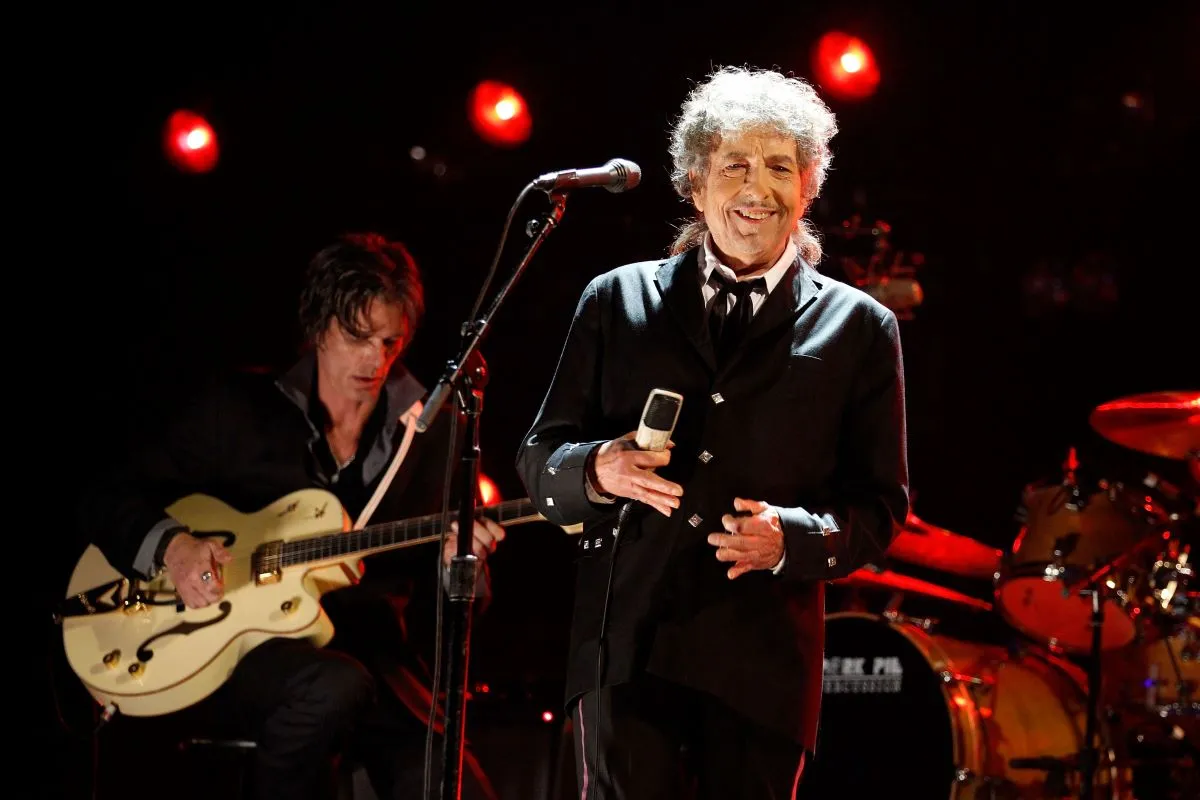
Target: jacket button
point(832, 561)
point(716, 398)
point(706, 457)
point(695, 520)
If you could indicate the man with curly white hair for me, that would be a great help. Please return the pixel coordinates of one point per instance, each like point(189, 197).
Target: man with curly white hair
point(698, 631)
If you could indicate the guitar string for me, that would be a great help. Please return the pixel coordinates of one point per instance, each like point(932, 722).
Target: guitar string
point(303, 550)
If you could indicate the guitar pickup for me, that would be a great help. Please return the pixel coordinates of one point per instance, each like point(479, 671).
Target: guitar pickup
point(267, 563)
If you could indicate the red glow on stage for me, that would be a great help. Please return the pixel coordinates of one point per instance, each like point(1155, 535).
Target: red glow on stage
point(845, 66)
point(190, 142)
point(499, 114)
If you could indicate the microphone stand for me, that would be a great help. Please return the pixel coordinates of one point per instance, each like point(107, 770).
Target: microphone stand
point(467, 386)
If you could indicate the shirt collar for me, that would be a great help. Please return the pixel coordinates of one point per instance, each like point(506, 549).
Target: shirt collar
point(400, 389)
point(772, 277)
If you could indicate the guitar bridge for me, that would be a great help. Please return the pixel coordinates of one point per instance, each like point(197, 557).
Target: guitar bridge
point(135, 601)
point(267, 563)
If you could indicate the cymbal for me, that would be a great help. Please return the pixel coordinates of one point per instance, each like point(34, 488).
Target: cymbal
point(886, 579)
point(928, 545)
point(1165, 424)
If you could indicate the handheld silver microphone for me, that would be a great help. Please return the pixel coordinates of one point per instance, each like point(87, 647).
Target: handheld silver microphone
point(659, 416)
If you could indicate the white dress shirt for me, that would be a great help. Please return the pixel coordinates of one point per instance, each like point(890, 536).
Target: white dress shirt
point(772, 276)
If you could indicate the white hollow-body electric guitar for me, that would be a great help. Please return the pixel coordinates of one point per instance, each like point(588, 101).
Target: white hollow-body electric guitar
point(135, 646)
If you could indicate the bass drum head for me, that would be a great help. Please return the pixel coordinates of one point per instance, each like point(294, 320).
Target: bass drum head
point(885, 728)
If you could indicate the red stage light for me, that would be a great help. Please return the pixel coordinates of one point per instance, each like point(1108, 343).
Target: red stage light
point(190, 142)
point(489, 493)
point(845, 66)
point(499, 114)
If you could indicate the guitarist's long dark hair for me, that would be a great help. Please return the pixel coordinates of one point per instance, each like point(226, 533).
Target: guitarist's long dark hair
point(346, 276)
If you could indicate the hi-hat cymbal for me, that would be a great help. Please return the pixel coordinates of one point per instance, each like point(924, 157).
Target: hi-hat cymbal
point(886, 579)
point(1165, 424)
point(927, 545)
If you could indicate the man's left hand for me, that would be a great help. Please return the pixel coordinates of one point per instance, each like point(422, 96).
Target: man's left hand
point(488, 534)
point(754, 540)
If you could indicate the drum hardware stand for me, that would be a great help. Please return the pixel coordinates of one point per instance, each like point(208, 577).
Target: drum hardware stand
point(1183, 689)
point(892, 613)
point(1088, 764)
point(1056, 770)
point(1063, 547)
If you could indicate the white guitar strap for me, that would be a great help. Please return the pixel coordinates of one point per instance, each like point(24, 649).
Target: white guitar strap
point(409, 418)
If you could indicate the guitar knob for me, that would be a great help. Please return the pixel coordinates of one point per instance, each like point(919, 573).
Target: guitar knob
point(290, 606)
point(112, 659)
point(136, 669)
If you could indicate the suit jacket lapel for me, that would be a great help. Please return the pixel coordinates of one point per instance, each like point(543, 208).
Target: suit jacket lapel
point(679, 281)
point(795, 291)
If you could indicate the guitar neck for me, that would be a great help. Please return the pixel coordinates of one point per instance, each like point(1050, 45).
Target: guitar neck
point(393, 535)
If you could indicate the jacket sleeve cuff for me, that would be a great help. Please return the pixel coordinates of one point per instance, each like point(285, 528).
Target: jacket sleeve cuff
point(810, 544)
point(148, 560)
point(564, 487)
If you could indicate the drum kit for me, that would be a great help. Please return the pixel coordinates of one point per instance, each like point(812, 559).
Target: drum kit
point(1067, 665)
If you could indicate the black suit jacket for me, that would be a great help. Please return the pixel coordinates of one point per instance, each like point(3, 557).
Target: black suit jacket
point(807, 416)
point(248, 440)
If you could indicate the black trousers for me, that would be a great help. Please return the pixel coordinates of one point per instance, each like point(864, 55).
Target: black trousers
point(309, 708)
point(653, 740)
point(300, 704)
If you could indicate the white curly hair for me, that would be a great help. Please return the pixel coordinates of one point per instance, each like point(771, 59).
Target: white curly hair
point(736, 100)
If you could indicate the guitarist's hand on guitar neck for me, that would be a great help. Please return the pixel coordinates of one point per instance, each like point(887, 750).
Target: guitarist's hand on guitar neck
point(195, 569)
point(487, 535)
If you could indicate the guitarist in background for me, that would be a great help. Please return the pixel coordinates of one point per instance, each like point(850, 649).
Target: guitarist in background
point(332, 421)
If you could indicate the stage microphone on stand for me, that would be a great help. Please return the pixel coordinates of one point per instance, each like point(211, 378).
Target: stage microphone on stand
point(616, 176)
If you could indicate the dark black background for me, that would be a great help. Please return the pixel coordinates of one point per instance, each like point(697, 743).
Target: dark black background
point(997, 145)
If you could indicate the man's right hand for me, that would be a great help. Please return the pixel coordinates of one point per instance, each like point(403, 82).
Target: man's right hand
point(624, 470)
point(188, 560)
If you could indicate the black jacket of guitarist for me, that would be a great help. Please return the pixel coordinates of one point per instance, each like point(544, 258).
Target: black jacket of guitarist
point(807, 416)
point(248, 439)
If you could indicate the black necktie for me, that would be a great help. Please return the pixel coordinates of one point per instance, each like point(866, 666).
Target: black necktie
point(725, 328)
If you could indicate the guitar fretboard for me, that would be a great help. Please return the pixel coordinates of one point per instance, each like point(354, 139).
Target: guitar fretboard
point(392, 535)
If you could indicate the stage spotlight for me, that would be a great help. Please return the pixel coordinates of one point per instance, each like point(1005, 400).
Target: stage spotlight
point(845, 66)
point(499, 114)
point(190, 142)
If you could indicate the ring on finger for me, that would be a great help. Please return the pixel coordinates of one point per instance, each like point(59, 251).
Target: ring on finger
point(206, 576)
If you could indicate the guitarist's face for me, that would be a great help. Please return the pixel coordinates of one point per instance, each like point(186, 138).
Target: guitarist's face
point(355, 367)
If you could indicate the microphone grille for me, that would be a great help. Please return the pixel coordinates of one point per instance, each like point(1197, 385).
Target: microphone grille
point(628, 174)
point(660, 415)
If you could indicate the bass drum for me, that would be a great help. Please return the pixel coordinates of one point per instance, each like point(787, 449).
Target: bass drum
point(907, 712)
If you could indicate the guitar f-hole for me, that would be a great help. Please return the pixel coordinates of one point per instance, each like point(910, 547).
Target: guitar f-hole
point(144, 653)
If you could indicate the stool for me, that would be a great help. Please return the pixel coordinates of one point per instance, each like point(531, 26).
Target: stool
point(241, 751)
point(352, 781)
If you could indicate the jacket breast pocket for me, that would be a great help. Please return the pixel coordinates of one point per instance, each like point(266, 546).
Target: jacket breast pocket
point(804, 376)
